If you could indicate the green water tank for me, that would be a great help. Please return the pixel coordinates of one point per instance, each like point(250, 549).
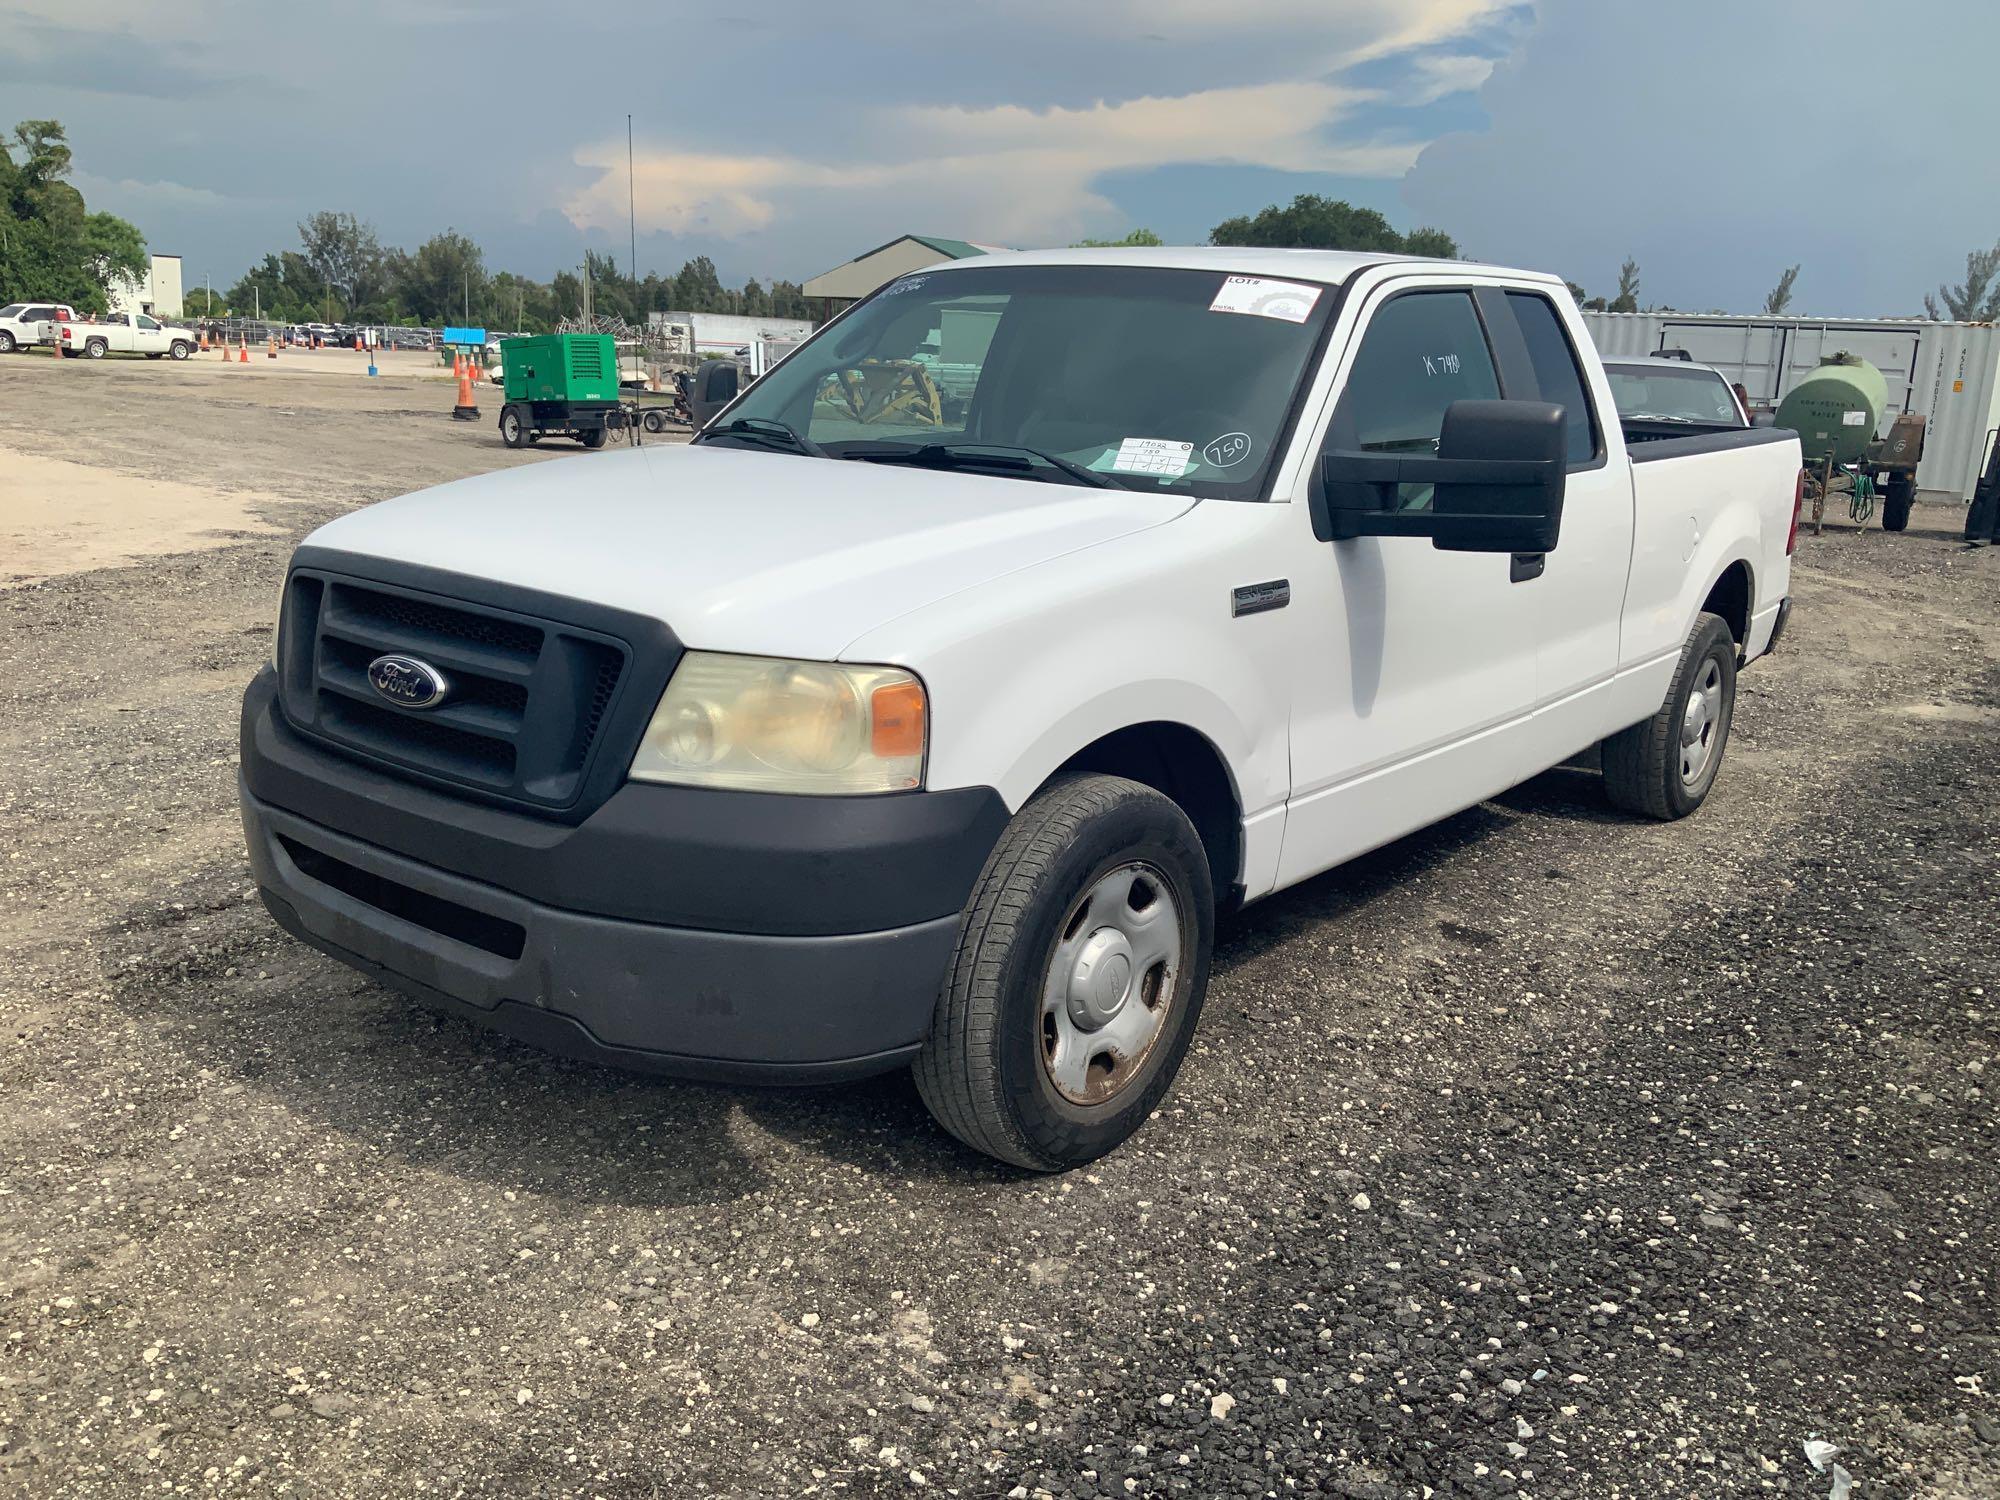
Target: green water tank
point(1836, 409)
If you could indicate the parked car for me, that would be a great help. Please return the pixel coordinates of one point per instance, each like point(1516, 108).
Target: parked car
point(856, 735)
point(126, 333)
point(1672, 398)
point(26, 324)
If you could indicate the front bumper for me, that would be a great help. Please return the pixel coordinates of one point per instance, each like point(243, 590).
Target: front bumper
point(812, 949)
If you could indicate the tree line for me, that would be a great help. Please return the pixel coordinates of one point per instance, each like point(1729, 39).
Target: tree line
point(341, 272)
point(51, 245)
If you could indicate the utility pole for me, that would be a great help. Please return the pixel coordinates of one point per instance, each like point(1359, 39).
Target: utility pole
point(631, 203)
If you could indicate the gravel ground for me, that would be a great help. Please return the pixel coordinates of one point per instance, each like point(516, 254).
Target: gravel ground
point(1544, 1153)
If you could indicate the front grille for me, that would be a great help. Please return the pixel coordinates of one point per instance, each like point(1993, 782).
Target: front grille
point(526, 702)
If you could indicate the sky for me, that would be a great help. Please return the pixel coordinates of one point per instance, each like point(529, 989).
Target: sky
point(1716, 141)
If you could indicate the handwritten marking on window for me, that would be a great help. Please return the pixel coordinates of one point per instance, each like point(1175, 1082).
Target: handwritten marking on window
point(1441, 364)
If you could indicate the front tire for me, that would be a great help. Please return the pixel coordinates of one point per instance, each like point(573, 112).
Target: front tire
point(6, 342)
point(180, 349)
point(1664, 766)
point(1081, 965)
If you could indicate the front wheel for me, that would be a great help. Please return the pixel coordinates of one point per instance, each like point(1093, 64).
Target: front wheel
point(1664, 766)
point(6, 342)
point(181, 349)
point(1081, 966)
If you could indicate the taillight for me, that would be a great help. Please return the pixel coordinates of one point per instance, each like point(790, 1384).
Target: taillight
point(65, 333)
point(1798, 502)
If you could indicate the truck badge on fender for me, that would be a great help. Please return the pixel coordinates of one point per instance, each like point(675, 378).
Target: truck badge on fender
point(407, 682)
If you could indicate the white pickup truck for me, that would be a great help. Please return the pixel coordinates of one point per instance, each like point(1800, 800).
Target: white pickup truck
point(126, 333)
point(882, 728)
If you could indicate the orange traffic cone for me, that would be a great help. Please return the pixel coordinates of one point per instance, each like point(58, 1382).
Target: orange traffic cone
point(357, 342)
point(472, 369)
point(465, 411)
point(201, 340)
point(271, 349)
point(243, 351)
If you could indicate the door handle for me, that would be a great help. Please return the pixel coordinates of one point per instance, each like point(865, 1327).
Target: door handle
point(1526, 565)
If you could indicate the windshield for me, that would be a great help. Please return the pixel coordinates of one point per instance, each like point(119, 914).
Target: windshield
point(1666, 393)
point(12, 309)
point(1145, 378)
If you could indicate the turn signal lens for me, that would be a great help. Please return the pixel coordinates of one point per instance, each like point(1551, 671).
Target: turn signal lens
point(758, 723)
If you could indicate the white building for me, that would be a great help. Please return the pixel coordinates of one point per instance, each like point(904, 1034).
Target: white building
point(158, 292)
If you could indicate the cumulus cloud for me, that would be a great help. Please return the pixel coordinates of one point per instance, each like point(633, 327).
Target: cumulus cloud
point(1011, 173)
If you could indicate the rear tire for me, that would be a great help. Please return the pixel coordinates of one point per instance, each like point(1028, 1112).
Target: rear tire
point(1665, 766)
point(1091, 923)
point(1897, 499)
point(97, 348)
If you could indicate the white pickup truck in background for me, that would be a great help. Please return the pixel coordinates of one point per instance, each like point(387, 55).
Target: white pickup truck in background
point(126, 333)
point(893, 725)
point(23, 325)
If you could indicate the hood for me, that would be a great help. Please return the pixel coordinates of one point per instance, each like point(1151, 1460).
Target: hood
point(738, 550)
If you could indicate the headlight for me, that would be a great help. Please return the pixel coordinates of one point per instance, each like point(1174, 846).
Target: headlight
point(761, 724)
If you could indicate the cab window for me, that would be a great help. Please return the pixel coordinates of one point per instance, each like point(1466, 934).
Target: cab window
point(1557, 375)
point(1420, 352)
point(146, 322)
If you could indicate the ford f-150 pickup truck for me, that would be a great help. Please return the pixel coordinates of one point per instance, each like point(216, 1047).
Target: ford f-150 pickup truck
point(895, 724)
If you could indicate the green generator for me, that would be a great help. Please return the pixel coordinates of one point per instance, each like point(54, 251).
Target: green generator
point(561, 384)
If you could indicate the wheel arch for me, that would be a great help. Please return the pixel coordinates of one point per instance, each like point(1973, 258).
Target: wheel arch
point(1185, 766)
point(1732, 597)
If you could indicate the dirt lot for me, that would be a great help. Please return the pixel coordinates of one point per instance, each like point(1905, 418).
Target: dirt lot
point(1544, 1153)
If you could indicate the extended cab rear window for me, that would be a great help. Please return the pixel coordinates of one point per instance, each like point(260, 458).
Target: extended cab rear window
point(1557, 373)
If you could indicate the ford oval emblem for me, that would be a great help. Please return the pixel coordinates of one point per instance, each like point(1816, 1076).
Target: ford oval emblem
point(407, 682)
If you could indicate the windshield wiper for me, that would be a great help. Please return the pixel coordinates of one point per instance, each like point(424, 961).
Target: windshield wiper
point(770, 430)
point(982, 455)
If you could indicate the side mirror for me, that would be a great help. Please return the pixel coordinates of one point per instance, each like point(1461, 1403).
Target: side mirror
point(1496, 483)
point(715, 386)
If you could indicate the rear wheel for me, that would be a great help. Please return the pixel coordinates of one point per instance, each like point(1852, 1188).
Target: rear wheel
point(655, 421)
point(1665, 766)
point(1897, 499)
point(513, 431)
point(1081, 965)
point(96, 348)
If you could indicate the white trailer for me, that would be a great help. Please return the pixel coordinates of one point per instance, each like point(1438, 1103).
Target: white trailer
point(1948, 373)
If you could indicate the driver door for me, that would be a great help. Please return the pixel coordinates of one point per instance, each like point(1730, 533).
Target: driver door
point(1414, 691)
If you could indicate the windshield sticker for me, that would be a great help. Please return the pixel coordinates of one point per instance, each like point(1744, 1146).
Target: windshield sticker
point(1153, 456)
point(1228, 450)
point(1289, 301)
point(907, 284)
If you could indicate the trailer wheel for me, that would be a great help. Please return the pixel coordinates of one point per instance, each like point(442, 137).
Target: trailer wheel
point(592, 439)
point(655, 421)
point(1897, 499)
point(513, 431)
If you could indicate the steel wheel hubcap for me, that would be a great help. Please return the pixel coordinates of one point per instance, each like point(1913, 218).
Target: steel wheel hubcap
point(1701, 722)
point(1110, 983)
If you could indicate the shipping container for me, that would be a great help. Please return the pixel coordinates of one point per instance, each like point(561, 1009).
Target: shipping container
point(1948, 373)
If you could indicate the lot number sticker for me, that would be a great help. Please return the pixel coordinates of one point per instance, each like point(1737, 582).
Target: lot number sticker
point(1260, 297)
point(1153, 456)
